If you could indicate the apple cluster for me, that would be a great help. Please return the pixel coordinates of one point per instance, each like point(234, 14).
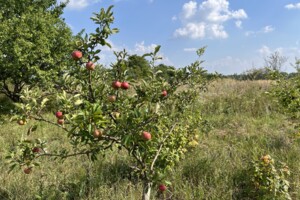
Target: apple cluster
point(77, 55)
point(60, 117)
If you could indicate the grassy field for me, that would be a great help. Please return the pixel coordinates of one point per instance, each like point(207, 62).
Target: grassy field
point(242, 123)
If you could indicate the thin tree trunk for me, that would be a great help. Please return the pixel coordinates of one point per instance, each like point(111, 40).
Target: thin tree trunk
point(147, 190)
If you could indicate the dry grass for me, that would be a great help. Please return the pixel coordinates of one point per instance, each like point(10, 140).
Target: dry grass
point(244, 123)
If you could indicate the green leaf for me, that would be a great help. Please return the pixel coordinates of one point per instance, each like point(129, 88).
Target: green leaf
point(156, 50)
point(78, 102)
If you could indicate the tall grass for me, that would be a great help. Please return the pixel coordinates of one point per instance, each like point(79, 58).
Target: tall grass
point(244, 124)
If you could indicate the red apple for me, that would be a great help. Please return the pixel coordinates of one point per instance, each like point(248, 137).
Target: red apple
point(60, 121)
point(59, 115)
point(164, 93)
point(36, 150)
point(27, 170)
point(146, 135)
point(112, 98)
point(90, 65)
point(125, 85)
point(97, 133)
point(76, 55)
point(162, 187)
point(116, 84)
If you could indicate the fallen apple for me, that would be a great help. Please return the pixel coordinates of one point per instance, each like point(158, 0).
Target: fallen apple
point(146, 135)
point(27, 170)
point(162, 187)
point(97, 133)
point(112, 98)
point(164, 93)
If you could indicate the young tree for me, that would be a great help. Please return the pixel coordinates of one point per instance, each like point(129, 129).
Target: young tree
point(152, 120)
point(34, 40)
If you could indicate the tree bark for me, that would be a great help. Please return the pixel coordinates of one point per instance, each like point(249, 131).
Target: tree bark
point(147, 190)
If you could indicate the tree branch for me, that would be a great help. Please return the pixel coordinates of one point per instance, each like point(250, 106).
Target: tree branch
point(160, 147)
point(40, 118)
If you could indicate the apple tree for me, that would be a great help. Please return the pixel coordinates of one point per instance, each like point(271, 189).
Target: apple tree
point(34, 40)
point(154, 120)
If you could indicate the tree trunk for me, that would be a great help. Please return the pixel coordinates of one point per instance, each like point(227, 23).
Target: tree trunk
point(147, 190)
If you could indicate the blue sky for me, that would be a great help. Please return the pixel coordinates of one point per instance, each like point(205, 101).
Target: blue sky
point(239, 34)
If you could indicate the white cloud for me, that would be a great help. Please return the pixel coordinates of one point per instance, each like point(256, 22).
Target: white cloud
point(192, 30)
point(238, 24)
point(189, 9)
point(81, 4)
point(141, 48)
point(268, 29)
point(218, 31)
point(77, 4)
point(190, 49)
point(264, 51)
point(289, 52)
point(207, 19)
point(229, 65)
point(174, 18)
point(292, 6)
point(107, 56)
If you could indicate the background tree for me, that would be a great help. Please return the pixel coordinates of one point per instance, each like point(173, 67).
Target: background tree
point(275, 61)
point(138, 67)
point(34, 41)
point(167, 71)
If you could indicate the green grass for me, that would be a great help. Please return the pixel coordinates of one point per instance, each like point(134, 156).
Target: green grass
point(244, 124)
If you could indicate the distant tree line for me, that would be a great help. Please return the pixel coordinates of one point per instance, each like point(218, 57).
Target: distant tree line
point(271, 70)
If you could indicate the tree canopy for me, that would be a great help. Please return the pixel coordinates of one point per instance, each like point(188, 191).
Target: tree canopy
point(35, 44)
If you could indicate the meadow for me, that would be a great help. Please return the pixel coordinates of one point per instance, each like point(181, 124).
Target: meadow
point(241, 124)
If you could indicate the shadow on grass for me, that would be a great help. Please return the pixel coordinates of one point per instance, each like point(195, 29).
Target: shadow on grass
point(7, 107)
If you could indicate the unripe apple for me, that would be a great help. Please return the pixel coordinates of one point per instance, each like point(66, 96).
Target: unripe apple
point(21, 122)
point(162, 187)
point(97, 133)
point(116, 115)
point(60, 121)
point(193, 143)
point(125, 85)
point(59, 115)
point(36, 150)
point(164, 93)
point(76, 55)
point(112, 98)
point(90, 65)
point(27, 170)
point(116, 84)
point(266, 159)
point(146, 135)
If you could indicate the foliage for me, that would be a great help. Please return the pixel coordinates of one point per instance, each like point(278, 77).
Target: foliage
point(286, 91)
point(34, 40)
point(98, 117)
point(269, 181)
point(138, 67)
point(215, 169)
point(167, 71)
